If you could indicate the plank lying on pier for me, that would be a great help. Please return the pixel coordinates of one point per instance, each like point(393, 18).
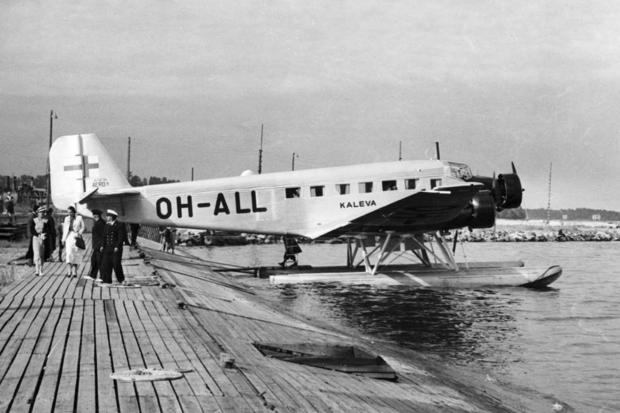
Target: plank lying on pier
point(61, 338)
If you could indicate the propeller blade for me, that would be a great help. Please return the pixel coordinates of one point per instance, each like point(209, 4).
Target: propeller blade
point(514, 170)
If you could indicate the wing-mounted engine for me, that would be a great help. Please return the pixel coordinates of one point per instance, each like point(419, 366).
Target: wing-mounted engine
point(482, 210)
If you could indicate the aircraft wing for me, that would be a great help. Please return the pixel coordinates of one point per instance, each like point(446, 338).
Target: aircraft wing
point(422, 211)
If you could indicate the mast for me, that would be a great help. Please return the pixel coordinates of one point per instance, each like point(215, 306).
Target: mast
point(549, 193)
point(260, 151)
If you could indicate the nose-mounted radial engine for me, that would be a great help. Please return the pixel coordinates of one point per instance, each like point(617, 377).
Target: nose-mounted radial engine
point(499, 193)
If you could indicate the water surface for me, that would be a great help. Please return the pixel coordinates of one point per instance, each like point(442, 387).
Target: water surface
point(564, 341)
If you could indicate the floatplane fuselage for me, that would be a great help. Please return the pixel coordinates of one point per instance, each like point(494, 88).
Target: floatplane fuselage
point(402, 199)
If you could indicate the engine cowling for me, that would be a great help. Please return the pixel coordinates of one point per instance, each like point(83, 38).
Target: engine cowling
point(482, 210)
point(507, 191)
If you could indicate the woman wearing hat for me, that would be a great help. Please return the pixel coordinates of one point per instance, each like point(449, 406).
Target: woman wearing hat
point(40, 230)
point(72, 227)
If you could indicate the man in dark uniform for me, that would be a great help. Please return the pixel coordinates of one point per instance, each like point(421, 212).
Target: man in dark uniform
point(98, 233)
point(50, 241)
point(113, 239)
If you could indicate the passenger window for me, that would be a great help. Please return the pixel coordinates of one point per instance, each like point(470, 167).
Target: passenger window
point(293, 192)
point(411, 183)
point(365, 187)
point(389, 185)
point(316, 190)
point(435, 183)
point(343, 189)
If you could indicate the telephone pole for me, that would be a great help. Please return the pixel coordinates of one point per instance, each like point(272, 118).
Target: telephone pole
point(400, 150)
point(260, 151)
point(128, 158)
point(53, 116)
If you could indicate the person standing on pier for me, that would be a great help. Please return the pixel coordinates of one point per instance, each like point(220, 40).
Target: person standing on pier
point(72, 228)
point(40, 231)
point(98, 233)
point(134, 234)
point(113, 240)
point(50, 242)
point(10, 209)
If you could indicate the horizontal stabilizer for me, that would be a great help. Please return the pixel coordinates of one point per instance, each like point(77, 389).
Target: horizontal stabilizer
point(97, 195)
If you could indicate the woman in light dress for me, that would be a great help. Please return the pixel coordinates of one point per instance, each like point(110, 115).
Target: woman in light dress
point(72, 227)
point(40, 230)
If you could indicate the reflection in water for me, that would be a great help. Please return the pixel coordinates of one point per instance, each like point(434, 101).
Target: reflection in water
point(464, 326)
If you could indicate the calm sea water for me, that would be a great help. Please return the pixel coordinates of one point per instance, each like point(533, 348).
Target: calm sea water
point(564, 341)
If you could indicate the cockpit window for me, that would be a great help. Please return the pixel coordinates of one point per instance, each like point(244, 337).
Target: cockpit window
point(460, 170)
point(292, 192)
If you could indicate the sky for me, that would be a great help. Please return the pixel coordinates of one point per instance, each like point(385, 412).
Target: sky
point(336, 82)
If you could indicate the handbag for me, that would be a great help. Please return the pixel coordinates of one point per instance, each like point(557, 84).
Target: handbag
point(79, 242)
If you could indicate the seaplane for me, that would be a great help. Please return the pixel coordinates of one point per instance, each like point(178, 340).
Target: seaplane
point(378, 209)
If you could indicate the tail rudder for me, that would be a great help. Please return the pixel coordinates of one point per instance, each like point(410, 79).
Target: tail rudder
point(78, 165)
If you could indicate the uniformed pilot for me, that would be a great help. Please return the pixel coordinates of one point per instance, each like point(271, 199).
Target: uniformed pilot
point(111, 251)
point(98, 233)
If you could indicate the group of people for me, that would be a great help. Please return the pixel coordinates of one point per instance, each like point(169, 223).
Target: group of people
point(108, 238)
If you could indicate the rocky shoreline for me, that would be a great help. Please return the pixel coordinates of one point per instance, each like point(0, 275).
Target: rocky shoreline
point(540, 235)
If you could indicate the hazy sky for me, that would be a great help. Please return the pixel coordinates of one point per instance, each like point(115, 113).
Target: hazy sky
point(338, 82)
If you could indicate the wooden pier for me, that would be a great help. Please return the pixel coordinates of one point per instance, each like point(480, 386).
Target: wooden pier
point(61, 338)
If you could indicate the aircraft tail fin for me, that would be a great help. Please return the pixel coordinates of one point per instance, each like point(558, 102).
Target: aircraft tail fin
point(78, 165)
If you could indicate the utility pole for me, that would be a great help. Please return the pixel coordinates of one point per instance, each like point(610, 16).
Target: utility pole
point(260, 151)
point(128, 158)
point(400, 150)
point(192, 173)
point(293, 161)
point(549, 198)
point(437, 150)
point(53, 116)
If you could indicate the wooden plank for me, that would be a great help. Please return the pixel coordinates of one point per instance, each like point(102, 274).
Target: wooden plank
point(229, 399)
point(164, 389)
point(87, 389)
point(146, 311)
point(133, 348)
point(29, 386)
point(18, 353)
point(8, 292)
point(243, 351)
point(178, 360)
point(106, 397)
point(69, 379)
point(127, 392)
point(46, 394)
point(13, 334)
point(262, 373)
